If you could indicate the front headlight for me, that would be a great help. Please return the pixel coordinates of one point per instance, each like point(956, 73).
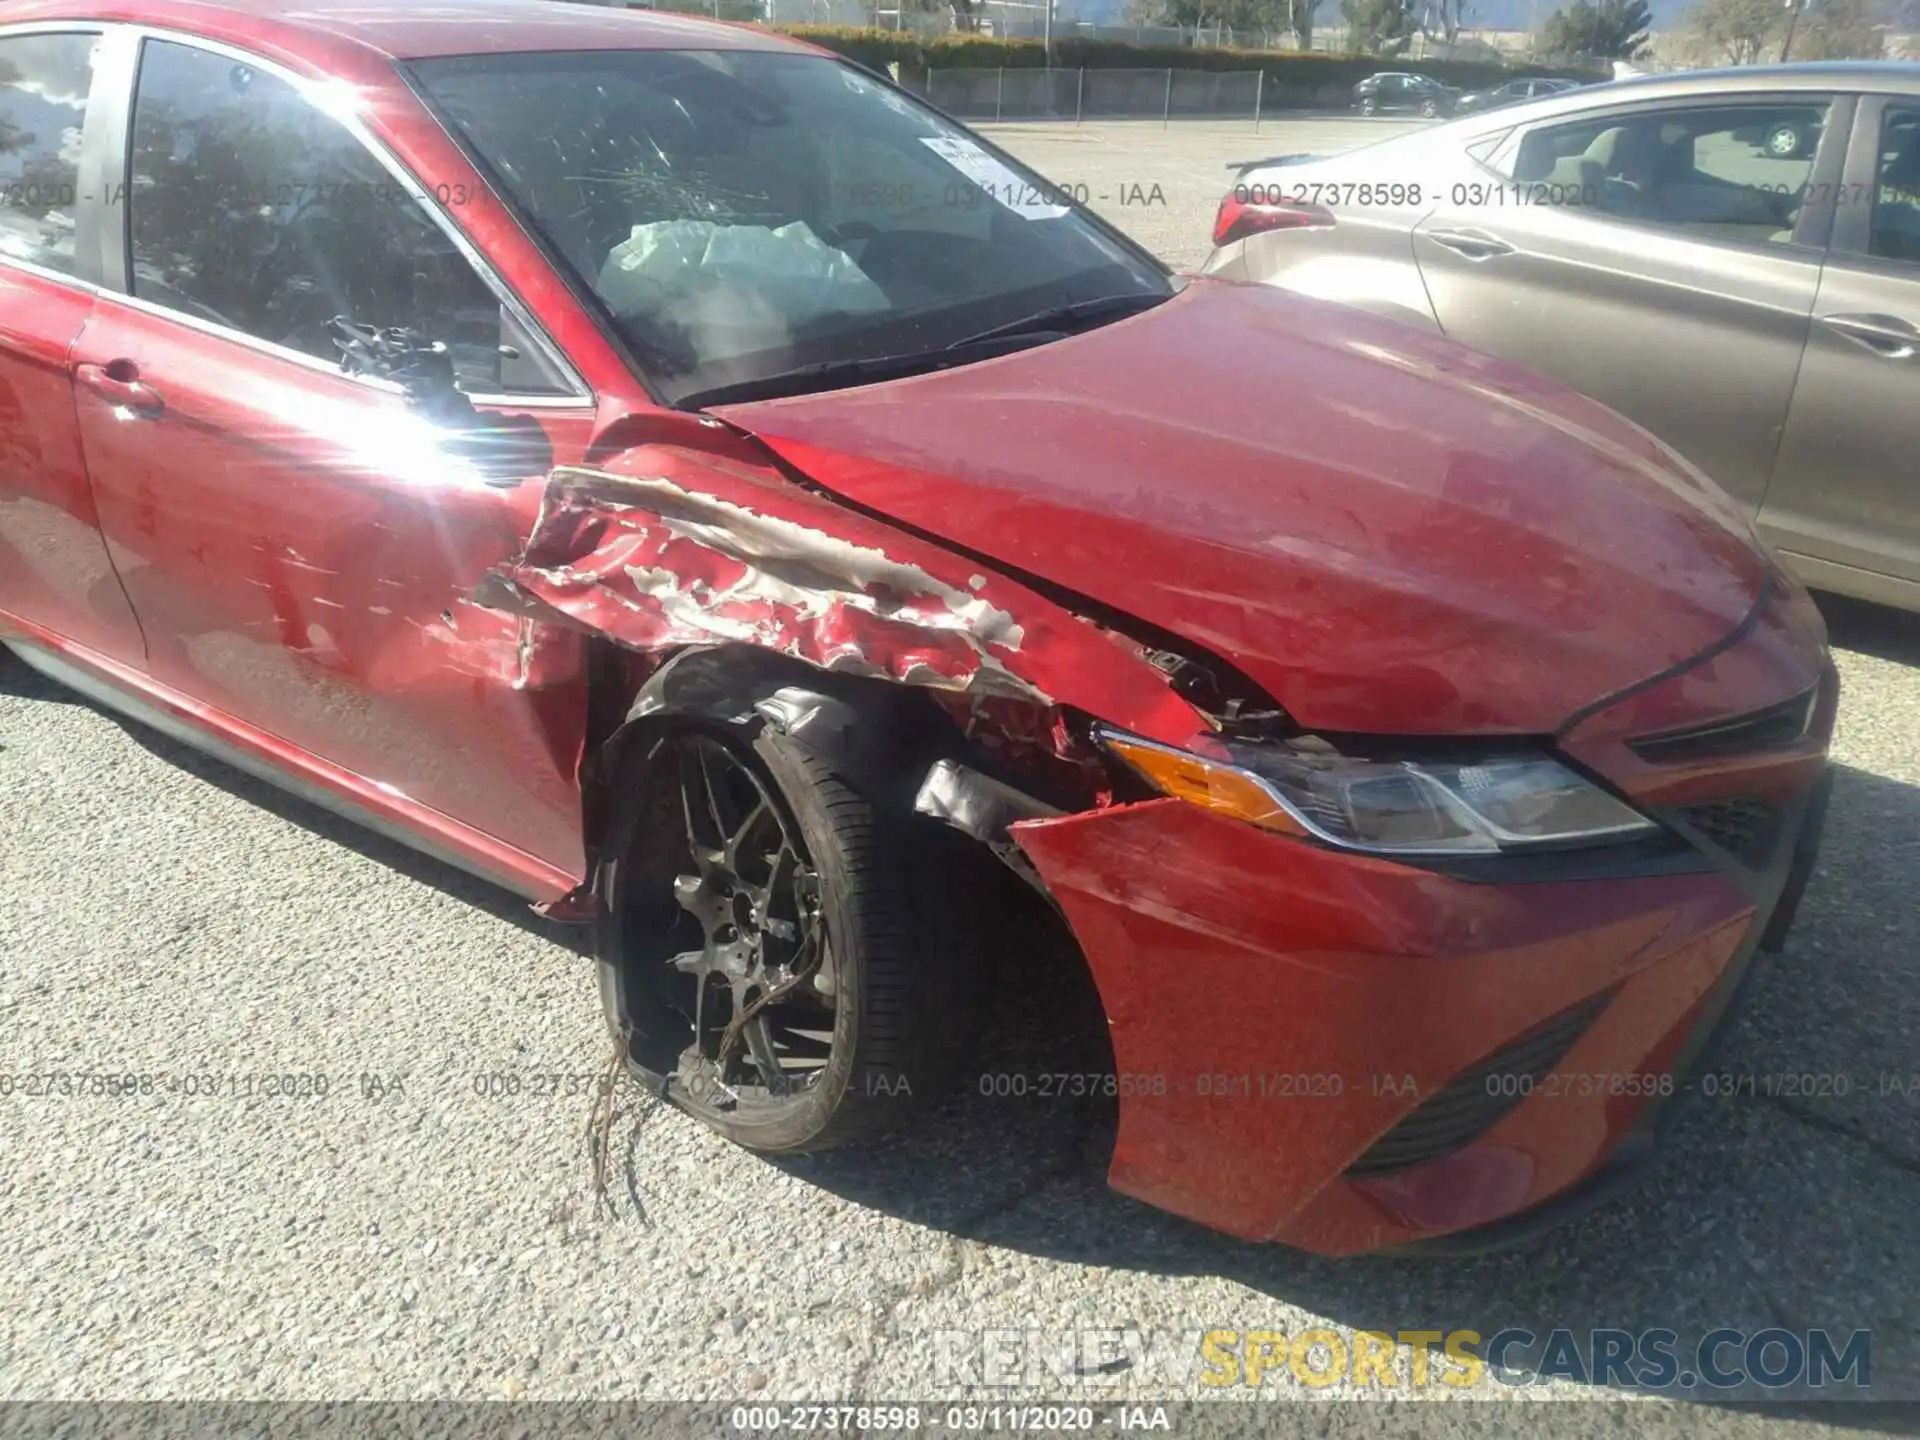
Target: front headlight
point(1391, 807)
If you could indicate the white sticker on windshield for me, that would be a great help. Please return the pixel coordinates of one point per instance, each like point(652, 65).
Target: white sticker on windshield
point(993, 180)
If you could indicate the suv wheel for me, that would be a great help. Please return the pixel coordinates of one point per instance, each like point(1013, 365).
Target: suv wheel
point(1784, 142)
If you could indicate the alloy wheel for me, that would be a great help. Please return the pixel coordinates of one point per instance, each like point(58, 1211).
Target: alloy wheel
point(761, 1001)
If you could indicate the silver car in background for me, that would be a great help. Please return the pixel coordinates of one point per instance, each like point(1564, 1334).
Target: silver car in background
point(1511, 93)
point(1730, 258)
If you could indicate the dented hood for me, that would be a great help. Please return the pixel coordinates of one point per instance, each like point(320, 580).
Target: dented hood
point(1386, 531)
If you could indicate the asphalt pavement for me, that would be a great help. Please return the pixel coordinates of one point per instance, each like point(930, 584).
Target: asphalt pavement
point(427, 1227)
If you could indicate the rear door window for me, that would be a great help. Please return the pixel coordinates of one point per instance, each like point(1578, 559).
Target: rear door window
point(44, 83)
point(1733, 172)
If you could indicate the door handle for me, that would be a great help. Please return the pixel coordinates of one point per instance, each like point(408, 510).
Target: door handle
point(119, 383)
point(1474, 244)
point(1888, 336)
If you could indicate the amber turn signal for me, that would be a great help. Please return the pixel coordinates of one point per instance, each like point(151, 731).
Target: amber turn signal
point(1216, 786)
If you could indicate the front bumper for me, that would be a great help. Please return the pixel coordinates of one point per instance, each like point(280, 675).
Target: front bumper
point(1346, 1054)
point(1635, 1155)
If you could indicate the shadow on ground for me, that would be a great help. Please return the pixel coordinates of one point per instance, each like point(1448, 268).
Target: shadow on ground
point(1876, 630)
point(17, 678)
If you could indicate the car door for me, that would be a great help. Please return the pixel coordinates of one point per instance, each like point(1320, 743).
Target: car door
point(1845, 498)
point(54, 571)
point(298, 542)
point(1652, 257)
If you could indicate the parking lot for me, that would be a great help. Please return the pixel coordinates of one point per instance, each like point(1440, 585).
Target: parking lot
point(427, 1227)
point(1161, 184)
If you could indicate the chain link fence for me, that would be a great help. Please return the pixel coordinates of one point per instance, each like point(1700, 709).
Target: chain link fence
point(1020, 94)
point(1102, 94)
point(1025, 20)
point(1485, 47)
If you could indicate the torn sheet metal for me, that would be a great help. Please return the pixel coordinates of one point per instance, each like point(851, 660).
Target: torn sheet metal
point(699, 550)
point(985, 808)
point(977, 804)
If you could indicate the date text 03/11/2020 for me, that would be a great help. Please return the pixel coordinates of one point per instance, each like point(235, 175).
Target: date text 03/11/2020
point(1494, 194)
point(1047, 1419)
point(1304, 1085)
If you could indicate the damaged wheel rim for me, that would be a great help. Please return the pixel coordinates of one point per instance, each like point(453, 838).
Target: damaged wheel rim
point(759, 992)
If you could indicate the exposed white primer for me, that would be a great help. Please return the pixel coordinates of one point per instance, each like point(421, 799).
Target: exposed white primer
point(803, 572)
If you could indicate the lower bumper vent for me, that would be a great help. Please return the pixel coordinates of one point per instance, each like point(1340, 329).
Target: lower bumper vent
point(1746, 829)
point(1469, 1105)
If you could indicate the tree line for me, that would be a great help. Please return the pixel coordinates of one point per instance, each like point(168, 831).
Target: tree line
point(1732, 32)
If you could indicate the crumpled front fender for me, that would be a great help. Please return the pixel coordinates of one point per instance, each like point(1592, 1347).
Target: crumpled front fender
point(665, 547)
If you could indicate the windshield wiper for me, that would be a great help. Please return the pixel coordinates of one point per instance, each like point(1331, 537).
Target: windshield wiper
point(836, 374)
point(1048, 321)
point(824, 375)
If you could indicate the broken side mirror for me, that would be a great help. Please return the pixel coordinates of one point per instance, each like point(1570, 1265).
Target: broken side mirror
point(506, 449)
point(422, 368)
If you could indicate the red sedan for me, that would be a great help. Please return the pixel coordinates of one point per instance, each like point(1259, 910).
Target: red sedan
point(676, 474)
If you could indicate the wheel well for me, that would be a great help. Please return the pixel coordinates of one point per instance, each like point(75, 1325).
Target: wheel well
point(882, 737)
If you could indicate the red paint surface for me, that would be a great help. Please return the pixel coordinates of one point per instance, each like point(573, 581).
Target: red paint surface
point(1223, 950)
point(53, 566)
point(1388, 532)
point(339, 29)
point(300, 551)
point(520, 872)
point(1781, 657)
point(604, 543)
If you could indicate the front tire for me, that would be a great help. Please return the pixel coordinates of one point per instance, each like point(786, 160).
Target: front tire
point(1429, 109)
point(1785, 142)
point(1368, 107)
point(778, 962)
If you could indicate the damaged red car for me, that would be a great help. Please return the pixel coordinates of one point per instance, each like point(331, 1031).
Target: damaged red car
point(679, 476)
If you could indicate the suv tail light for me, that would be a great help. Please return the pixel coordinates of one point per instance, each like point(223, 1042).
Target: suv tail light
point(1239, 218)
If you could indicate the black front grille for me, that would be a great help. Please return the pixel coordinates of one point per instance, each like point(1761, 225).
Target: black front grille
point(1469, 1105)
point(1745, 829)
point(1774, 728)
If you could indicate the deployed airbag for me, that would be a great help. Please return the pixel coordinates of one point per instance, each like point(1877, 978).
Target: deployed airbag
point(788, 274)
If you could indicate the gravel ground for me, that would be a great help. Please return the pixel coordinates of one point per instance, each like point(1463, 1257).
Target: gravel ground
point(407, 1236)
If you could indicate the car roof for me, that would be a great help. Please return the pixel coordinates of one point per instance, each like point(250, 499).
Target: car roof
point(1847, 75)
point(413, 29)
point(1733, 84)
